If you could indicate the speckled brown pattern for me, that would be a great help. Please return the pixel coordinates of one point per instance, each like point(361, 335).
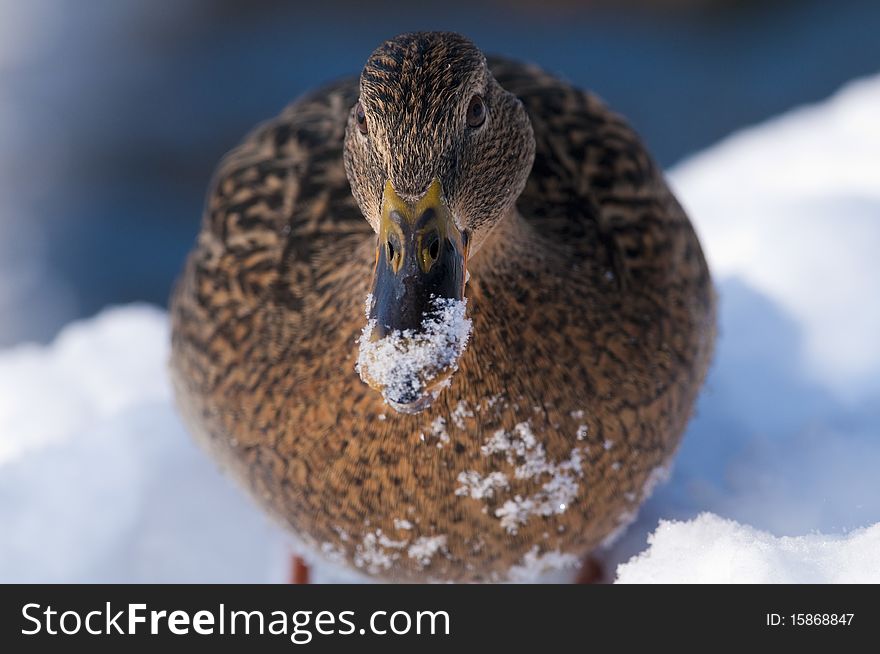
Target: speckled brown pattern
point(593, 324)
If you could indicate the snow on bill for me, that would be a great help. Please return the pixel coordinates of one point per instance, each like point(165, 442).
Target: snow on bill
point(405, 363)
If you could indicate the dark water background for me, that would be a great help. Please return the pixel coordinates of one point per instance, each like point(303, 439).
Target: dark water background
point(125, 107)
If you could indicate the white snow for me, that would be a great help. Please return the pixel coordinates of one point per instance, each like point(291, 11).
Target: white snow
point(406, 525)
point(710, 549)
point(100, 482)
point(409, 361)
point(460, 414)
point(479, 487)
point(377, 552)
point(98, 479)
point(536, 566)
point(424, 549)
point(528, 460)
point(791, 208)
point(438, 431)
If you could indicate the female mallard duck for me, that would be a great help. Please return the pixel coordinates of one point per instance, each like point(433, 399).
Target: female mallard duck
point(539, 317)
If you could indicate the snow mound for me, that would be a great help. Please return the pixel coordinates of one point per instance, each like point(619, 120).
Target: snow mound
point(92, 372)
point(710, 549)
point(404, 364)
point(791, 208)
point(99, 481)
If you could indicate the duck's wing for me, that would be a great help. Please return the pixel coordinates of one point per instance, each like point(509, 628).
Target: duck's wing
point(279, 198)
point(278, 205)
point(600, 203)
point(594, 186)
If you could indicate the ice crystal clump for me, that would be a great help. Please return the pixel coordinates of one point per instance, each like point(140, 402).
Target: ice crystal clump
point(409, 363)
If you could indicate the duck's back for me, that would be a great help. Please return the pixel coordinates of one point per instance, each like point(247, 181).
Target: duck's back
point(586, 358)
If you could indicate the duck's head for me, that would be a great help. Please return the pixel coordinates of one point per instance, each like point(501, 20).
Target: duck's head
point(437, 153)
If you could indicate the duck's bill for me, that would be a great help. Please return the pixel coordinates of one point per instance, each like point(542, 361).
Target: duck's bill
point(416, 328)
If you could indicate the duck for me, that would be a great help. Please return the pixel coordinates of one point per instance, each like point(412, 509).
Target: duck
point(444, 321)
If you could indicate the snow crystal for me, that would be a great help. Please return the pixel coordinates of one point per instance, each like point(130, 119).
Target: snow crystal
point(459, 414)
point(528, 457)
point(710, 549)
point(333, 553)
point(552, 498)
point(343, 535)
point(534, 565)
point(475, 485)
point(438, 430)
point(402, 524)
point(405, 363)
point(581, 432)
point(490, 402)
point(425, 547)
point(499, 442)
point(657, 476)
point(376, 552)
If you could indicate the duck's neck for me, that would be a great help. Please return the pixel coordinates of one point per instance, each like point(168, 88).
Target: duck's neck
point(510, 237)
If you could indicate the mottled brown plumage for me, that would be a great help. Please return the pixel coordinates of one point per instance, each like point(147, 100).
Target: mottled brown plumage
point(592, 310)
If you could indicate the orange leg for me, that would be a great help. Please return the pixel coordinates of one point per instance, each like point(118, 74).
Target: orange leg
point(299, 573)
point(591, 572)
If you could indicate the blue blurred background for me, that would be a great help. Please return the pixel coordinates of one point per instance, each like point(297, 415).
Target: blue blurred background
point(113, 113)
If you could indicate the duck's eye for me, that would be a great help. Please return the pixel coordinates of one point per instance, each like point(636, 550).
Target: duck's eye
point(361, 118)
point(476, 112)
